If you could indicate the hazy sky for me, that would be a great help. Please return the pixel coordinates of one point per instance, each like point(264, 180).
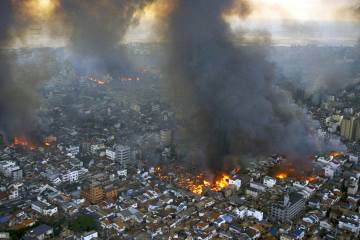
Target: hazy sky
point(288, 22)
point(301, 10)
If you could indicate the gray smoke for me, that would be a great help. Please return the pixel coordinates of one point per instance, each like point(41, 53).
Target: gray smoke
point(97, 29)
point(225, 91)
point(18, 97)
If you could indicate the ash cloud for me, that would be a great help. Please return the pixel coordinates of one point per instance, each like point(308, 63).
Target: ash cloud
point(97, 29)
point(225, 92)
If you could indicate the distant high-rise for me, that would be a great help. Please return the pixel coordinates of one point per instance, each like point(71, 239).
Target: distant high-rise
point(347, 127)
point(165, 137)
point(357, 129)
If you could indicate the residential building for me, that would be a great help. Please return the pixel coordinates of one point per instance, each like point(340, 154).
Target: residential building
point(287, 209)
point(93, 192)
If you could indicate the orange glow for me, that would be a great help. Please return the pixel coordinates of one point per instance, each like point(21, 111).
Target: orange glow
point(48, 141)
point(196, 184)
point(197, 189)
point(310, 179)
point(23, 142)
point(336, 154)
point(281, 175)
point(220, 182)
point(37, 9)
point(97, 81)
point(129, 78)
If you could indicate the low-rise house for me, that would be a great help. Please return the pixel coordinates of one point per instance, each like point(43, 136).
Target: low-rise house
point(350, 223)
point(40, 232)
point(89, 235)
point(44, 208)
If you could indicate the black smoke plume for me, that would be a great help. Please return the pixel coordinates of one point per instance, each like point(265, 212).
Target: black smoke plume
point(225, 91)
point(97, 30)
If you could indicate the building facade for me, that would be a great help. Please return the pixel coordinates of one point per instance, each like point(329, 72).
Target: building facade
point(288, 209)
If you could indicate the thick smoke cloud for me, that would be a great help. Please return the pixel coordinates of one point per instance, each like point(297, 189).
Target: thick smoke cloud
point(17, 84)
point(97, 29)
point(225, 91)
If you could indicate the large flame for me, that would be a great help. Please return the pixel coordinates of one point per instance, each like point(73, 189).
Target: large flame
point(200, 184)
point(194, 183)
point(220, 182)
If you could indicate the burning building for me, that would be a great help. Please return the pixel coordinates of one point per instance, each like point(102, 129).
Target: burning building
point(197, 183)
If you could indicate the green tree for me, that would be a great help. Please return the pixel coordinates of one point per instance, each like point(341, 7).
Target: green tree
point(83, 223)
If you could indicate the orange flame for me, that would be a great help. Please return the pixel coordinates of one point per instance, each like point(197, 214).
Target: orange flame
point(22, 141)
point(95, 80)
point(194, 183)
point(336, 154)
point(310, 179)
point(221, 182)
point(281, 175)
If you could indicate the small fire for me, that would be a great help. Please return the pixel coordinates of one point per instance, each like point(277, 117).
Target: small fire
point(22, 141)
point(129, 78)
point(97, 81)
point(310, 179)
point(336, 154)
point(48, 141)
point(281, 175)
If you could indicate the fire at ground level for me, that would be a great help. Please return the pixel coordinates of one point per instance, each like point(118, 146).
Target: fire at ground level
point(199, 182)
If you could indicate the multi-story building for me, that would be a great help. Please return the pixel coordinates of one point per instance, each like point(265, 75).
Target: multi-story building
point(165, 137)
point(287, 209)
point(93, 192)
point(11, 170)
point(44, 208)
point(15, 173)
point(15, 191)
point(347, 127)
point(269, 181)
point(70, 176)
point(120, 154)
point(353, 186)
